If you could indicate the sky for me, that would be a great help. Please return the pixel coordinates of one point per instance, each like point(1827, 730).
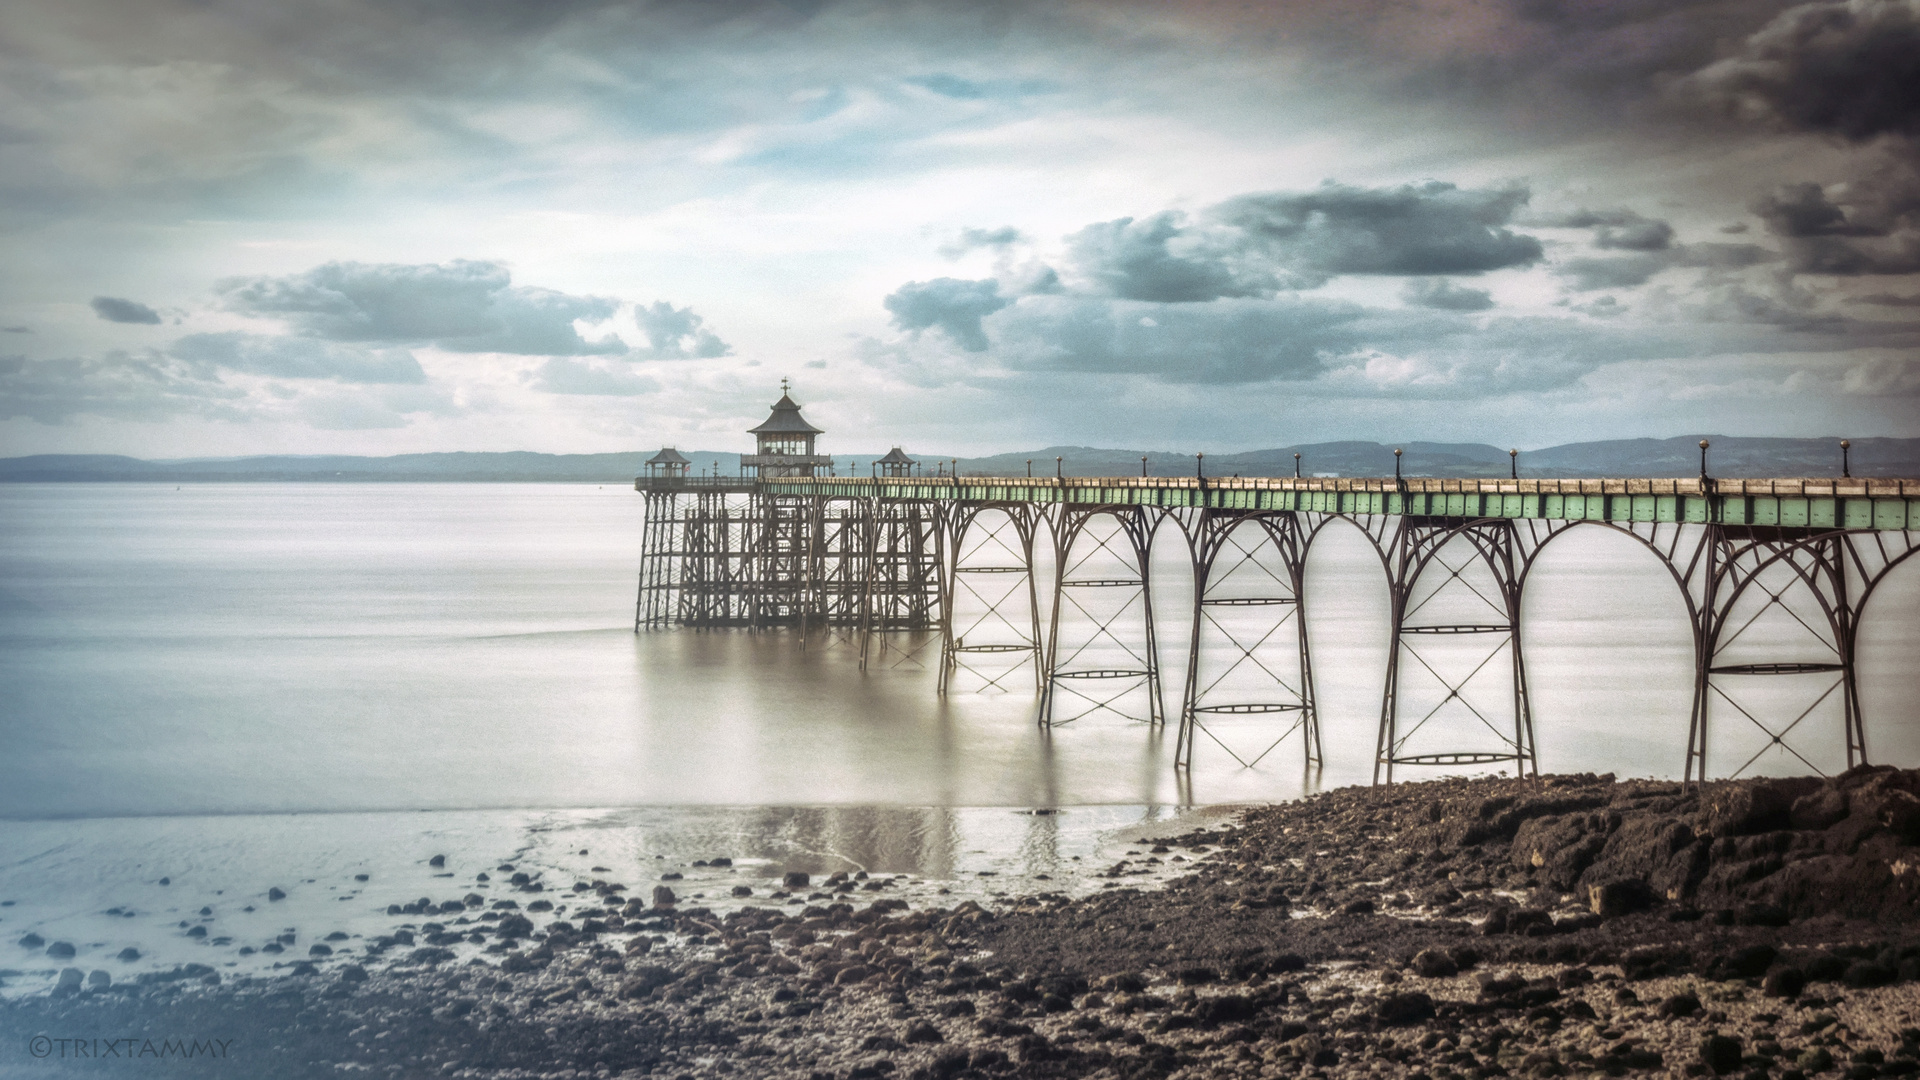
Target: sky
point(389, 226)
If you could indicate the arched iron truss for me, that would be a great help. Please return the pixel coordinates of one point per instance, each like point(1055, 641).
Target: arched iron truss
point(957, 556)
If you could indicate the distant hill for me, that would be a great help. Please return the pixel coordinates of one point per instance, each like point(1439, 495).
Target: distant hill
point(1675, 457)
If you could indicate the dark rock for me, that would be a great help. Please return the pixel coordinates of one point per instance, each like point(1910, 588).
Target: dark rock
point(437, 861)
point(276, 893)
point(1748, 963)
point(1621, 896)
point(60, 950)
point(646, 978)
point(32, 941)
point(1720, 1053)
point(1786, 982)
point(1435, 964)
point(1866, 974)
point(663, 897)
point(1740, 809)
point(353, 973)
point(1820, 809)
point(98, 979)
point(320, 950)
point(69, 982)
point(920, 1031)
point(795, 879)
point(1681, 1004)
point(1409, 1007)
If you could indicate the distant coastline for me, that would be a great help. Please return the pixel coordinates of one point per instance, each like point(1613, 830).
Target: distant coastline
point(1675, 457)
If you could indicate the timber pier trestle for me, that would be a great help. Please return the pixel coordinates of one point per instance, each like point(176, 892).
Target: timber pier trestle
point(958, 561)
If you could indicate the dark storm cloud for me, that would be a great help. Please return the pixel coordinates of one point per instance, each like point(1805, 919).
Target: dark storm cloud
point(1426, 229)
point(114, 309)
point(145, 386)
point(1887, 300)
point(1445, 295)
point(1256, 245)
point(677, 333)
point(1867, 226)
point(1801, 210)
point(462, 306)
point(1618, 230)
point(298, 358)
point(1136, 260)
point(954, 305)
point(1850, 69)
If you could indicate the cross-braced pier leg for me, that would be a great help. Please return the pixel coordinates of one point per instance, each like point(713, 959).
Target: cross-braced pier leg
point(990, 606)
point(1455, 598)
point(1780, 610)
point(1101, 578)
point(1248, 662)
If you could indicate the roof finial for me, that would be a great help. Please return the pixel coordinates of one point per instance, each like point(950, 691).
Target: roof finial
point(783, 387)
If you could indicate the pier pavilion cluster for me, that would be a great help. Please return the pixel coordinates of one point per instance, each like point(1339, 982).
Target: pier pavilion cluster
point(958, 560)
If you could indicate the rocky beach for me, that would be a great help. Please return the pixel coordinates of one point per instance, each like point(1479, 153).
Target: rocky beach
point(1565, 926)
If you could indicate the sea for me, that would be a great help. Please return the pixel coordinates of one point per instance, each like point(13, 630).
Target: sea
point(211, 691)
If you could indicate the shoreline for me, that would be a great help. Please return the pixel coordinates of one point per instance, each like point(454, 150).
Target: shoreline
point(1450, 928)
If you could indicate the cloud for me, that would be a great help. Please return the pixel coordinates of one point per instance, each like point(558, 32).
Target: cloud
point(676, 333)
point(114, 309)
point(971, 238)
point(1445, 295)
point(144, 386)
point(953, 86)
point(565, 375)
point(1230, 342)
point(954, 305)
point(298, 358)
point(1616, 230)
point(1886, 300)
point(1619, 272)
point(1429, 229)
point(1137, 260)
point(1590, 273)
point(1866, 226)
point(1848, 68)
point(461, 306)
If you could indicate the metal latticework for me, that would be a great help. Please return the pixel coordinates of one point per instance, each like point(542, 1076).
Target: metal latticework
point(1456, 686)
point(1249, 680)
point(990, 604)
point(1101, 560)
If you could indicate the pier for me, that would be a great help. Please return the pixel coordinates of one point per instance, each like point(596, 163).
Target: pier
point(960, 559)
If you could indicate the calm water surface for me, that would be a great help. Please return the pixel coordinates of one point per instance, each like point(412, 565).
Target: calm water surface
point(266, 648)
point(234, 688)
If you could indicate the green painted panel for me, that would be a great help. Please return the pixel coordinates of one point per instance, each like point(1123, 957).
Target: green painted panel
point(1858, 513)
point(1766, 510)
point(1890, 514)
point(1793, 512)
point(1645, 507)
point(1820, 513)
